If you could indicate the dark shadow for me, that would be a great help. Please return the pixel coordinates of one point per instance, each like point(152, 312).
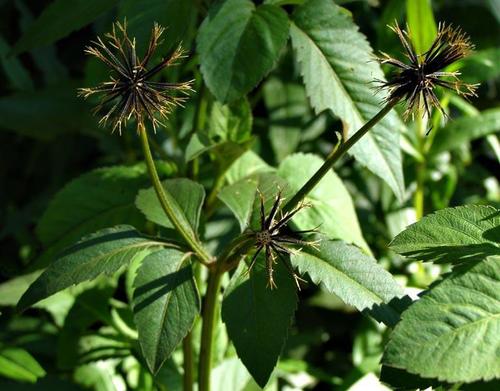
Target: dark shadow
point(112, 236)
point(148, 293)
point(389, 313)
point(455, 254)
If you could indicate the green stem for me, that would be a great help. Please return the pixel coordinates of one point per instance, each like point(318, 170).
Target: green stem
point(334, 156)
point(419, 199)
point(187, 350)
point(208, 315)
point(212, 197)
point(167, 202)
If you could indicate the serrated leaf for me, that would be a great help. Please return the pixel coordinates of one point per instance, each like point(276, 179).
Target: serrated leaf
point(165, 304)
point(188, 195)
point(465, 233)
point(332, 209)
point(234, 32)
point(338, 69)
point(350, 273)
point(465, 129)
point(59, 19)
point(452, 332)
point(104, 252)
point(258, 318)
point(421, 24)
point(18, 364)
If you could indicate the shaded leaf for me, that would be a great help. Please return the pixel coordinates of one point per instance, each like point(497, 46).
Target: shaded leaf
point(165, 304)
point(257, 318)
point(451, 333)
point(338, 69)
point(47, 113)
point(465, 129)
point(19, 78)
point(234, 32)
point(59, 19)
point(104, 252)
point(95, 200)
point(465, 233)
point(480, 66)
point(177, 16)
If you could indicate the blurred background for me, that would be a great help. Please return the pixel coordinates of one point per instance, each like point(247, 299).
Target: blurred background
point(78, 339)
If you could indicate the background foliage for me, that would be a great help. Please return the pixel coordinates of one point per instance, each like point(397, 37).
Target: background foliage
point(278, 82)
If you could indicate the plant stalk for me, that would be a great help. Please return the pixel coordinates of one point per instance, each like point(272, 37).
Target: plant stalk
point(187, 352)
point(207, 331)
point(419, 199)
point(166, 201)
point(334, 156)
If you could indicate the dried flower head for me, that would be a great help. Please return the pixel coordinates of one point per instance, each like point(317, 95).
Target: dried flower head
point(275, 238)
point(130, 92)
point(415, 82)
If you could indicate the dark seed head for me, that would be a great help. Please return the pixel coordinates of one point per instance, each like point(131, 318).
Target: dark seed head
point(130, 93)
point(276, 240)
point(415, 80)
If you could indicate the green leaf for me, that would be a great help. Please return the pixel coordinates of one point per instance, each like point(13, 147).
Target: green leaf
point(258, 318)
point(89, 307)
point(243, 198)
point(104, 252)
point(19, 78)
point(189, 196)
point(465, 129)
point(350, 273)
point(228, 134)
point(336, 63)
point(18, 364)
point(247, 164)
point(452, 332)
point(332, 209)
point(234, 32)
point(230, 374)
point(290, 117)
point(95, 200)
point(99, 376)
point(465, 233)
point(165, 304)
point(177, 16)
point(47, 113)
point(421, 23)
point(480, 66)
point(59, 19)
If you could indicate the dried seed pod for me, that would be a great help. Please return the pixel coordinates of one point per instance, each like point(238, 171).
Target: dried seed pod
point(130, 92)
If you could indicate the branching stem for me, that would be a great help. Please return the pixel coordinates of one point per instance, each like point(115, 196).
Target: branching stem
point(334, 156)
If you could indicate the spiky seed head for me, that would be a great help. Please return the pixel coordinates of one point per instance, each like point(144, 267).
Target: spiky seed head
point(130, 92)
point(416, 79)
point(275, 238)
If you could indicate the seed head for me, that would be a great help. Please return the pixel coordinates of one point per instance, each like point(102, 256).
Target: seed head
point(275, 238)
point(130, 92)
point(416, 81)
